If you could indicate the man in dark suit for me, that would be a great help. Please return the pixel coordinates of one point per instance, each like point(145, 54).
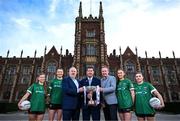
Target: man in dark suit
point(89, 107)
point(71, 96)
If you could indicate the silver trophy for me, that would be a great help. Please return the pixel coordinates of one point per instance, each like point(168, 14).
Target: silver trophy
point(90, 90)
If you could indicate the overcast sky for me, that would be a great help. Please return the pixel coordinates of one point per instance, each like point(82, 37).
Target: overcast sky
point(29, 25)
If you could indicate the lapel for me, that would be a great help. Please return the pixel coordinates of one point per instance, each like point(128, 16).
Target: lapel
point(106, 82)
point(87, 82)
point(93, 81)
point(72, 82)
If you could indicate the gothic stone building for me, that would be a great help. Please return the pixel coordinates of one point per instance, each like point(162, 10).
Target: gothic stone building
point(90, 49)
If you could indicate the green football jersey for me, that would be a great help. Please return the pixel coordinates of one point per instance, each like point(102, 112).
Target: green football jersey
point(143, 93)
point(124, 97)
point(55, 91)
point(37, 98)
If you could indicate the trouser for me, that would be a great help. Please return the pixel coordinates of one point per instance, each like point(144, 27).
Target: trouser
point(110, 112)
point(71, 114)
point(91, 111)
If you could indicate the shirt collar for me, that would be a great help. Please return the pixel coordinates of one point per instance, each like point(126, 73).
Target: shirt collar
point(73, 79)
point(89, 78)
point(104, 78)
point(59, 78)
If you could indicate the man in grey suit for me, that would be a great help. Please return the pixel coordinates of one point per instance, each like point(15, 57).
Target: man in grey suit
point(108, 88)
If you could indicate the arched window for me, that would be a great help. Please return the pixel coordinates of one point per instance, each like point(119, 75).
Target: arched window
point(38, 70)
point(26, 71)
point(51, 70)
point(171, 75)
point(112, 71)
point(130, 69)
point(25, 79)
point(90, 33)
point(51, 67)
point(156, 74)
point(90, 50)
point(10, 74)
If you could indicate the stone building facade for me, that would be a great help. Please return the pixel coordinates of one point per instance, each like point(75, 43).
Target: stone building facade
point(90, 49)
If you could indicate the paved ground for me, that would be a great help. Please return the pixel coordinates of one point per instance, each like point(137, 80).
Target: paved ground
point(23, 116)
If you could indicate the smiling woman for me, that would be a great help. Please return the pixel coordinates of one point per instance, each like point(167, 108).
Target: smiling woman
point(36, 93)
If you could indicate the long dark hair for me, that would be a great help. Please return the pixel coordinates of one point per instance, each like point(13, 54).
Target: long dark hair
point(120, 69)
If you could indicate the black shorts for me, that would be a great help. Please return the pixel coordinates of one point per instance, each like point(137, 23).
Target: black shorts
point(124, 110)
point(35, 112)
point(55, 106)
point(145, 115)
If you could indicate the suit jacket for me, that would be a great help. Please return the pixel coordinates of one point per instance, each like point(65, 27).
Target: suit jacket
point(85, 82)
point(71, 98)
point(109, 92)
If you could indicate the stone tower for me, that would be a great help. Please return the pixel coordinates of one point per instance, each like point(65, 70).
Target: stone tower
point(90, 48)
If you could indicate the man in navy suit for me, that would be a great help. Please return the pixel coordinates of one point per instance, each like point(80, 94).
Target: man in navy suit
point(71, 96)
point(89, 109)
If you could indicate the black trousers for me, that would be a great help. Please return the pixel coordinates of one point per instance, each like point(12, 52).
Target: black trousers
point(110, 112)
point(71, 115)
point(91, 111)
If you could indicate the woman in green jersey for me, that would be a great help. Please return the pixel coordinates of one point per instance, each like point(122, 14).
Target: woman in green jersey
point(55, 93)
point(144, 91)
point(37, 98)
point(125, 96)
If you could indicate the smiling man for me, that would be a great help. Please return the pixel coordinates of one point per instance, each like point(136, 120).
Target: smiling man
point(91, 105)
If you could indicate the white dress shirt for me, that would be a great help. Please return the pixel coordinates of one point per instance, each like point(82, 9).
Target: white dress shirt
point(90, 80)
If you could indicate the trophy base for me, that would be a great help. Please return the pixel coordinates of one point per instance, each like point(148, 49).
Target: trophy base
point(91, 103)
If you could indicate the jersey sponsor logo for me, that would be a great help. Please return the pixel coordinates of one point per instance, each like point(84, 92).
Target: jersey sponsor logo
point(59, 86)
point(141, 92)
point(38, 91)
point(121, 88)
point(145, 88)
